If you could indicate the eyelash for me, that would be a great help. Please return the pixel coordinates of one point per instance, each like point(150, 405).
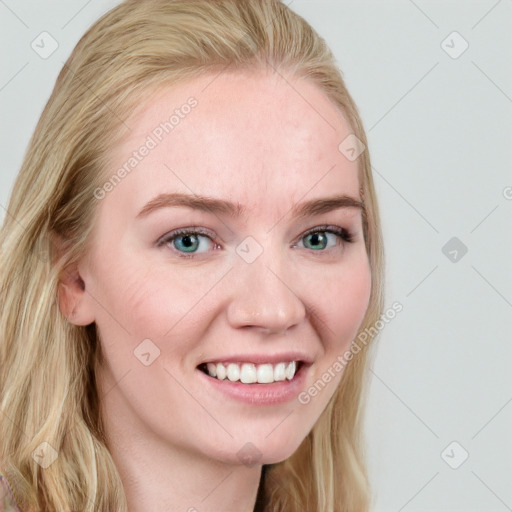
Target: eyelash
point(343, 234)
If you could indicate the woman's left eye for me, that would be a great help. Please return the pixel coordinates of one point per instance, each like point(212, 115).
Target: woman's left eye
point(189, 242)
point(318, 238)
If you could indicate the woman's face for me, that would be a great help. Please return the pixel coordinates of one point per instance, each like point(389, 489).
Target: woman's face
point(260, 285)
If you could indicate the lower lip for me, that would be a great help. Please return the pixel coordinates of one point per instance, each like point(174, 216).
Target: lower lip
point(260, 394)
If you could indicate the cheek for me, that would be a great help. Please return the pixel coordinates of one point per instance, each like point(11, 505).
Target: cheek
point(168, 304)
point(143, 300)
point(161, 304)
point(339, 312)
point(346, 303)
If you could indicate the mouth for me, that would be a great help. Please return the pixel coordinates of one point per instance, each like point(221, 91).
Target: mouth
point(251, 373)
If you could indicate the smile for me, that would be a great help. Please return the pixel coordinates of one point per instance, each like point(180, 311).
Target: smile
point(250, 373)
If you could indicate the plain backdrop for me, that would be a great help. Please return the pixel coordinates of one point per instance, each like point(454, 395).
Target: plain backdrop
point(432, 80)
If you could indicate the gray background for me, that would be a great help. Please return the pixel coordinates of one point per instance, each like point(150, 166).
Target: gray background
point(438, 121)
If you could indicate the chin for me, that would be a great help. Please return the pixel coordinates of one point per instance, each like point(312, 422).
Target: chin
point(276, 447)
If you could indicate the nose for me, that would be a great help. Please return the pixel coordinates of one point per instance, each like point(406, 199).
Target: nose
point(264, 298)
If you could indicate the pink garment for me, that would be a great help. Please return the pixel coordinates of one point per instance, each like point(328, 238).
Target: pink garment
point(7, 501)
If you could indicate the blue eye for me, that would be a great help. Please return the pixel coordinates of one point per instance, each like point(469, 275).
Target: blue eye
point(319, 237)
point(188, 242)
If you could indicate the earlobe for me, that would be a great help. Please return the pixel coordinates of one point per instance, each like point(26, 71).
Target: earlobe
point(74, 300)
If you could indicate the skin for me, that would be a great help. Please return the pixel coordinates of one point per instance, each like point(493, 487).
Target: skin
point(266, 143)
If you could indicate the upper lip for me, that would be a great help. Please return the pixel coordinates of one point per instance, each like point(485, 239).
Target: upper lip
point(282, 357)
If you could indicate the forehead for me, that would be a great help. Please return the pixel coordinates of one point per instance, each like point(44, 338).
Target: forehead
point(259, 138)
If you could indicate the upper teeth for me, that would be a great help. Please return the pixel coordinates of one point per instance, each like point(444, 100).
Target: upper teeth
point(249, 373)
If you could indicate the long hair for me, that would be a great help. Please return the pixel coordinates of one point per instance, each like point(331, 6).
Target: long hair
point(48, 393)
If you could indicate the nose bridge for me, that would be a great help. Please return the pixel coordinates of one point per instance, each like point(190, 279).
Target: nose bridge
point(264, 296)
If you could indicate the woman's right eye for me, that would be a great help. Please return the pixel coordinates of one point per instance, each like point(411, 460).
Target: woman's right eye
point(187, 242)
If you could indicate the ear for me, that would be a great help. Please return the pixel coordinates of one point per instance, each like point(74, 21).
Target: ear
point(74, 301)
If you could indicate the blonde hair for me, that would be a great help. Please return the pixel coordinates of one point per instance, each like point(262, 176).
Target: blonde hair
point(47, 384)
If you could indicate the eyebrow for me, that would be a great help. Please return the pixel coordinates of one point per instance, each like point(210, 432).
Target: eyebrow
point(228, 208)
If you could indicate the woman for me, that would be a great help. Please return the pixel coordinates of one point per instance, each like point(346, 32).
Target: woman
point(191, 249)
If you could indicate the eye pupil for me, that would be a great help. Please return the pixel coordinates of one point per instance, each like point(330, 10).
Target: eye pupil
point(188, 242)
point(318, 238)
